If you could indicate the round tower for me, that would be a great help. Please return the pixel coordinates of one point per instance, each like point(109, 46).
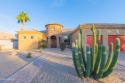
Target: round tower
point(53, 31)
point(53, 28)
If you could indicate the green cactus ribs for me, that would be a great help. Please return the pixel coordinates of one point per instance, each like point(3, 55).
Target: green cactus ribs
point(93, 62)
point(88, 67)
point(115, 58)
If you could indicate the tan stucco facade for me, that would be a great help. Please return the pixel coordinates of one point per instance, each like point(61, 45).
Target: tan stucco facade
point(29, 39)
point(55, 34)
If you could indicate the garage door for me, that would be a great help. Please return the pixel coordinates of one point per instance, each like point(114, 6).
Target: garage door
point(9, 44)
point(111, 38)
point(90, 40)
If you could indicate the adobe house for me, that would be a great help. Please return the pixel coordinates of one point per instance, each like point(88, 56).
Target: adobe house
point(29, 39)
point(56, 33)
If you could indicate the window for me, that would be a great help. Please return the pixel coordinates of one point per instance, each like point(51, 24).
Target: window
point(24, 37)
point(67, 40)
point(32, 37)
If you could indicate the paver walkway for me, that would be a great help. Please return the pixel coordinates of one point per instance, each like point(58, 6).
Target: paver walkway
point(57, 67)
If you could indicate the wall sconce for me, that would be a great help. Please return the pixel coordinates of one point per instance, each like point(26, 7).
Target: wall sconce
point(106, 37)
point(83, 37)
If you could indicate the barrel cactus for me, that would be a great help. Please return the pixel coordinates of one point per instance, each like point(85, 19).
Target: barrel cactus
point(93, 62)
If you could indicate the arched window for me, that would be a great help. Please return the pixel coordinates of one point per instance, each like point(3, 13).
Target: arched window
point(67, 40)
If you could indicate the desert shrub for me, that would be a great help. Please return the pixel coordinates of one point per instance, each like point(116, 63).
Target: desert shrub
point(28, 55)
point(62, 46)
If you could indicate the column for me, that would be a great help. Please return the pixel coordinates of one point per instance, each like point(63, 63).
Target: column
point(48, 43)
point(57, 41)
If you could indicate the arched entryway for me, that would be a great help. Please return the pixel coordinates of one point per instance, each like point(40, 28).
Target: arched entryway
point(53, 41)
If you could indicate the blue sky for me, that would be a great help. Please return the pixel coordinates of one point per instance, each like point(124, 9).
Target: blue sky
point(69, 13)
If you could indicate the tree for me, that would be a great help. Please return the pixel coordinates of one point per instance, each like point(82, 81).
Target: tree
point(22, 18)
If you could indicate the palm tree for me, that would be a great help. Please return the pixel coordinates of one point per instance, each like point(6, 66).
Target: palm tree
point(22, 18)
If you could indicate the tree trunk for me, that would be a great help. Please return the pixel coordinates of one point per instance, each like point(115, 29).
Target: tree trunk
point(23, 25)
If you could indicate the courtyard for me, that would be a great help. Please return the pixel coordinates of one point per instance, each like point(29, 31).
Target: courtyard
point(53, 66)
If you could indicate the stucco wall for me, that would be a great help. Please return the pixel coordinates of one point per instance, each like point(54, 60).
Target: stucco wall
point(53, 29)
point(104, 32)
point(58, 31)
point(29, 43)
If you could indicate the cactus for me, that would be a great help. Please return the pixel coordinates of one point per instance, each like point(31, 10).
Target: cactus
point(79, 51)
point(82, 49)
point(88, 67)
point(94, 47)
point(94, 63)
point(98, 36)
point(102, 64)
point(73, 55)
point(115, 58)
point(109, 57)
point(98, 60)
point(79, 41)
point(91, 49)
point(77, 62)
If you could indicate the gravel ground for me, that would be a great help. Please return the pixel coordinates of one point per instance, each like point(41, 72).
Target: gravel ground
point(12, 60)
point(57, 67)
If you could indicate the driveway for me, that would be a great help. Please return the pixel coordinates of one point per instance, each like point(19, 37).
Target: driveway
point(58, 67)
point(13, 60)
point(9, 64)
point(122, 58)
point(55, 66)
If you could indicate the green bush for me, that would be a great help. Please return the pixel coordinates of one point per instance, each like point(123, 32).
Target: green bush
point(43, 44)
point(62, 46)
point(28, 55)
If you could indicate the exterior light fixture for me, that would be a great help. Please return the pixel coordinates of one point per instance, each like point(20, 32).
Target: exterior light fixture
point(83, 37)
point(106, 37)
